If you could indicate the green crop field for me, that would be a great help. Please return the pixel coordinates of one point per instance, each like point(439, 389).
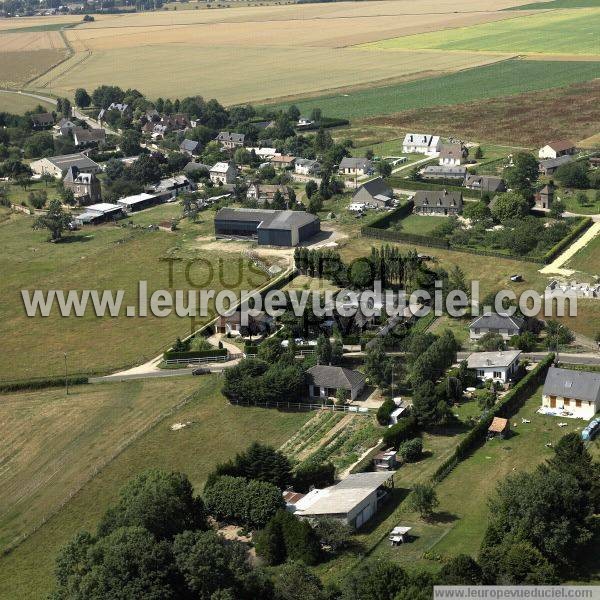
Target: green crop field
point(556, 32)
point(18, 103)
point(215, 432)
point(501, 79)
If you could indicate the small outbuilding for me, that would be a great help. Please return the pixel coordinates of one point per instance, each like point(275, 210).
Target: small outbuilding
point(499, 428)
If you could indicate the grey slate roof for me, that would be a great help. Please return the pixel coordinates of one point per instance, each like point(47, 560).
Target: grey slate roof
point(441, 171)
point(349, 162)
point(487, 183)
point(189, 145)
point(493, 320)
point(268, 219)
point(438, 198)
point(226, 136)
point(481, 360)
point(377, 187)
point(88, 135)
point(335, 377)
point(79, 160)
point(569, 383)
point(554, 163)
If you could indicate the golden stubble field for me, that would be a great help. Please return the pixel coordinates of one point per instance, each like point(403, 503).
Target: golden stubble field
point(256, 53)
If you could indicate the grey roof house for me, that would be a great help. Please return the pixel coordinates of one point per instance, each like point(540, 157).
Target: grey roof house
point(230, 140)
point(85, 186)
point(438, 202)
point(375, 192)
point(42, 120)
point(549, 165)
point(57, 166)
point(355, 166)
point(88, 137)
point(190, 147)
point(324, 381)
point(492, 322)
point(571, 391)
point(444, 172)
point(497, 366)
point(485, 183)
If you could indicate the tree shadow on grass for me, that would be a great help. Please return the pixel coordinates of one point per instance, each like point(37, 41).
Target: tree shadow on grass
point(395, 497)
point(71, 239)
point(442, 516)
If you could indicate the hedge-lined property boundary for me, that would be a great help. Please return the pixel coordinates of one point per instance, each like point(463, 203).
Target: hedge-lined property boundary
point(36, 384)
point(435, 184)
point(217, 352)
point(579, 229)
point(513, 401)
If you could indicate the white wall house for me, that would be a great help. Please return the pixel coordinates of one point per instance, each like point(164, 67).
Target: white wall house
point(223, 172)
point(571, 391)
point(421, 143)
point(556, 149)
point(496, 366)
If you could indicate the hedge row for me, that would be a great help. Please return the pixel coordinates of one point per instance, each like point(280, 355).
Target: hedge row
point(35, 384)
point(326, 122)
point(584, 224)
point(435, 184)
point(170, 355)
point(514, 400)
point(395, 215)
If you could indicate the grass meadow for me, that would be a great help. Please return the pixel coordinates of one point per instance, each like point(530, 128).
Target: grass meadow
point(216, 431)
point(569, 32)
point(18, 104)
point(498, 80)
point(587, 260)
point(101, 258)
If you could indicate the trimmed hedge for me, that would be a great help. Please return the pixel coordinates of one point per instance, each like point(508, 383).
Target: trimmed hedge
point(36, 384)
point(195, 354)
point(512, 402)
point(325, 122)
point(435, 184)
point(398, 213)
point(584, 224)
point(404, 430)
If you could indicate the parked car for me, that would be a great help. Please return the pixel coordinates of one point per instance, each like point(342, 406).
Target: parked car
point(201, 371)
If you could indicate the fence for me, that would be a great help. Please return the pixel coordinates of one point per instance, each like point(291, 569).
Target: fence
point(361, 410)
point(196, 360)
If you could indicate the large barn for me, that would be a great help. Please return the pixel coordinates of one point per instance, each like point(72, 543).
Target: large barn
point(269, 227)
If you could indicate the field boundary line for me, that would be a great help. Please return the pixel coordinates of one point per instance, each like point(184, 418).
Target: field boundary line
point(97, 470)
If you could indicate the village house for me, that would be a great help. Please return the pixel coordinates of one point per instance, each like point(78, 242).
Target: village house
point(438, 202)
point(57, 166)
point(283, 161)
point(556, 149)
point(223, 173)
point(452, 155)
point(492, 322)
point(88, 137)
point(230, 140)
point(190, 147)
point(232, 324)
point(543, 198)
point(550, 165)
point(326, 380)
point(444, 172)
point(268, 227)
point(374, 193)
point(386, 460)
point(355, 166)
point(42, 120)
point(123, 109)
point(497, 366)
point(572, 391)
point(354, 500)
point(305, 166)
point(421, 143)
point(263, 153)
point(64, 127)
point(85, 186)
point(193, 166)
point(485, 183)
point(171, 187)
point(264, 193)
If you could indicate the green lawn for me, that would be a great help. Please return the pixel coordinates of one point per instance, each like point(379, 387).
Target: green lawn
point(588, 258)
point(216, 431)
point(569, 197)
point(501, 79)
point(566, 32)
point(419, 224)
point(102, 258)
point(18, 104)
point(554, 4)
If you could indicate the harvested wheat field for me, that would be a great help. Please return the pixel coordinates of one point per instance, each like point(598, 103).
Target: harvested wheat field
point(267, 52)
point(17, 68)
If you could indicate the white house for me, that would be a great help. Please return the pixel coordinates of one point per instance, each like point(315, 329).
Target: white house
point(354, 500)
point(324, 381)
point(497, 366)
point(355, 166)
point(556, 149)
point(421, 143)
point(452, 155)
point(305, 166)
point(571, 391)
point(223, 172)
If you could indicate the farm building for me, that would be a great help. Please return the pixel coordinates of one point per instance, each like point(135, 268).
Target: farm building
point(492, 322)
point(571, 391)
point(421, 143)
point(42, 120)
point(550, 165)
point(269, 227)
point(306, 166)
point(173, 186)
point(223, 172)
point(544, 197)
point(485, 183)
point(556, 149)
point(452, 155)
point(57, 166)
point(438, 202)
point(355, 166)
point(444, 172)
point(353, 500)
point(497, 366)
point(100, 213)
point(326, 380)
point(85, 186)
point(140, 201)
point(374, 193)
point(385, 460)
